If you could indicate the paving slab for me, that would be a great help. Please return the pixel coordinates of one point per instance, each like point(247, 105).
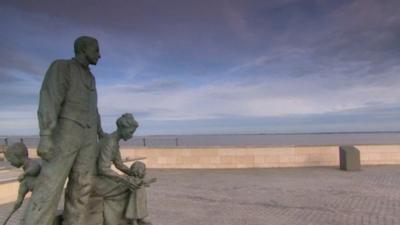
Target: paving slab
point(285, 196)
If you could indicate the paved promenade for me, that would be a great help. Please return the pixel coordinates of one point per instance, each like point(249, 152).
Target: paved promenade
point(296, 196)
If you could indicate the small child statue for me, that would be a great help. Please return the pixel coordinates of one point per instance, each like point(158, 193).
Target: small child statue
point(136, 211)
point(17, 155)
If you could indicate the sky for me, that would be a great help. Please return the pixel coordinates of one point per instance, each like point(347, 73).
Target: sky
point(212, 66)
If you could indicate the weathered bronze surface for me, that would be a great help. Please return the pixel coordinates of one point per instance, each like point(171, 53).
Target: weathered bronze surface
point(69, 127)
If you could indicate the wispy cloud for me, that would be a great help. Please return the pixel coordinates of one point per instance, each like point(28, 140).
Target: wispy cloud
point(273, 97)
point(186, 61)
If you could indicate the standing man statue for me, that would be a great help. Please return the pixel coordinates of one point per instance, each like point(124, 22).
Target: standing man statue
point(69, 127)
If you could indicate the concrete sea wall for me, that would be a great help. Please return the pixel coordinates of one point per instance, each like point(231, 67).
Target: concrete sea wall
point(254, 157)
point(260, 157)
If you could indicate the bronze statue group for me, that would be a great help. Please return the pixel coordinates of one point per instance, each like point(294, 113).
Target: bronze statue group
point(73, 145)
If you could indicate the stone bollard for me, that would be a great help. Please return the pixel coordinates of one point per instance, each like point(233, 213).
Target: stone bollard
point(349, 158)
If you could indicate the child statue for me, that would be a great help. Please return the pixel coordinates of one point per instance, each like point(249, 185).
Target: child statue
point(17, 155)
point(136, 211)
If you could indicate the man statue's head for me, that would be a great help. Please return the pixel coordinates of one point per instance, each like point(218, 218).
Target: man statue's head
point(87, 48)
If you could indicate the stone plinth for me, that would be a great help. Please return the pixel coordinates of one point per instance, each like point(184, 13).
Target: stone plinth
point(349, 158)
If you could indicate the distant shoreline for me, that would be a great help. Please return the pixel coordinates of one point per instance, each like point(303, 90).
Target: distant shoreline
point(249, 140)
point(222, 134)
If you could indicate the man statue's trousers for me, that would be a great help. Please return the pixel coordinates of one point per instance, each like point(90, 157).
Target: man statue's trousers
point(75, 154)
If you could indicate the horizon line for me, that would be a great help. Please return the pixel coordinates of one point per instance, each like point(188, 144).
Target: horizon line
point(222, 134)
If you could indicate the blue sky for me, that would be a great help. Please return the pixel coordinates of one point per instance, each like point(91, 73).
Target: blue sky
point(213, 66)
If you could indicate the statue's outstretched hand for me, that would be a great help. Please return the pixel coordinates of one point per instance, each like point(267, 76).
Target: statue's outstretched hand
point(132, 186)
point(130, 183)
point(46, 148)
point(150, 181)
